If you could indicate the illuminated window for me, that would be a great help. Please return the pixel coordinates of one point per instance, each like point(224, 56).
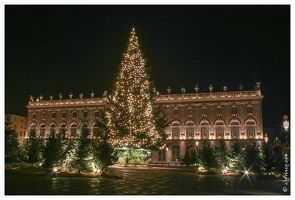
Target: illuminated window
point(175, 131)
point(250, 127)
point(175, 153)
point(204, 130)
point(162, 155)
point(235, 129)
point(42, 130)
point(74, 130)
point(219, 128)
point(190, 130)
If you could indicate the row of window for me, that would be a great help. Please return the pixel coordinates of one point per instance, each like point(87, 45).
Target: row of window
point(64, 115)
point(219, 110)
point(204, 128)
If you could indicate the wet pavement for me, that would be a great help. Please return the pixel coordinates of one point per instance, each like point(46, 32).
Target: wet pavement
point(145, 181)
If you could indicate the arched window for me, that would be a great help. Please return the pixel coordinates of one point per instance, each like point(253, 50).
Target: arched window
point(204, 130)
point(219, 128)
point(73, 130)
point(190, 130)
point(235, 129)
point(42, 130)
point(250, 127)
point(175, 131)
point(175, 153)
point(191, 150)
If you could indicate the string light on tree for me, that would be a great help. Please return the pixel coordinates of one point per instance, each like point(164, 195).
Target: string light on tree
point(131, 115)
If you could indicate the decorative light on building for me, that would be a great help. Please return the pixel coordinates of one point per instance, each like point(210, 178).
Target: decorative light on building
point(183, 90)
point(197, 88)
point(211, 88)
point(241, 86)
point(225, 88)
point(169, 90)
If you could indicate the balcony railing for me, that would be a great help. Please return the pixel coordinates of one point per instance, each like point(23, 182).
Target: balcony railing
point(209, 95)
point(67, 102)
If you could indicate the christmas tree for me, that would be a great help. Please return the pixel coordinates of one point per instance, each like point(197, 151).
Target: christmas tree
point(82, 157)
point(133, 120)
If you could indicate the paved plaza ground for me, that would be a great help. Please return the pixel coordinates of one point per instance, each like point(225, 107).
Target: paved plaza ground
point(145, 181)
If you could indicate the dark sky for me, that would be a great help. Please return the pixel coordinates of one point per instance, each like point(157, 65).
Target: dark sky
point(62, 49)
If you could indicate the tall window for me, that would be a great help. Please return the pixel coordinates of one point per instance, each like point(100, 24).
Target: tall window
point(162, 155)
point(34, 115)
point(175, 131)
point(250, 127)
point(219, 127)
point(53, 115)
point(175, 153)
point(204, 130)
point(190, 130)
point(73, 130)
point(42, 130)
point(96, 114)
point(175, 112)
point(235, 129)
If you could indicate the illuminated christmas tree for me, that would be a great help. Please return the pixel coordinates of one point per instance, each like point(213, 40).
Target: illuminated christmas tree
point(134, 121)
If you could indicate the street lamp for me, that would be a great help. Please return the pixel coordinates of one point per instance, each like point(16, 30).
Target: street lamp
point(197, 143)
point(286, 123)
point(265, 138)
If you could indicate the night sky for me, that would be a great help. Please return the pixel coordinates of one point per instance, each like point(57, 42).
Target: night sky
point(62, 49)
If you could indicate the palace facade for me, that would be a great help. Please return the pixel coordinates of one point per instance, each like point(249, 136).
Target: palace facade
point(193, 118)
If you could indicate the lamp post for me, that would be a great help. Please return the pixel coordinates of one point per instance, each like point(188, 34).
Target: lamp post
point(265, 138)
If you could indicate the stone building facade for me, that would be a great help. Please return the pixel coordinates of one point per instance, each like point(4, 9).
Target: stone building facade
point(193, 118)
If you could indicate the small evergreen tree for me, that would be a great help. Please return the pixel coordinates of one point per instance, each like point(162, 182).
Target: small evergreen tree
point(13, 150)
point(236, 157)
point(221, 155)
point(207, 157)
point(53, 150)
point(82, 153)
point(267, 158)
point(278, 156)
point(252, 158)
point(103, 150)
point(33, 147)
